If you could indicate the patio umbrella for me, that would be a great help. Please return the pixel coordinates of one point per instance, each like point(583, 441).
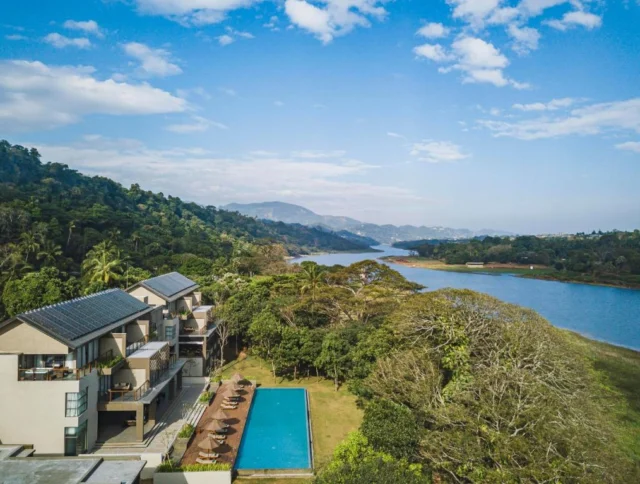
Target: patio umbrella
point(210, 445)
point(237, 377)
point(214, 426)
point(220, 415)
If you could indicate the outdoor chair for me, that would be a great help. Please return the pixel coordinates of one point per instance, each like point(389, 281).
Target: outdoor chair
point(206, 461)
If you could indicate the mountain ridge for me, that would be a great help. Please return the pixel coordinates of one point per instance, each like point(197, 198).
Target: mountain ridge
point(384, 234)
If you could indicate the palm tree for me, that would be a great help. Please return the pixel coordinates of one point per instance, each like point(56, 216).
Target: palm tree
point(103, 263)
point(29, 244)
point(312, 277)
point(72, 225)
point(135, 238)
point(49, 252)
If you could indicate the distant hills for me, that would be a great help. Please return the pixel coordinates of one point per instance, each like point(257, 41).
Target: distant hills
point(383, 234)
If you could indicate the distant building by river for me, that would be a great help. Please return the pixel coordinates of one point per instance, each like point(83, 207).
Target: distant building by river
point(475, 265)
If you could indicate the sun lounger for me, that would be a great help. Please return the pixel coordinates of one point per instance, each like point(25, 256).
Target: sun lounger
point(217, 436)
point(228, 407)
point(213, 455)
point(206, 461)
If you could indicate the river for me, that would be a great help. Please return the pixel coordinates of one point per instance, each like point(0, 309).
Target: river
point(598, 312)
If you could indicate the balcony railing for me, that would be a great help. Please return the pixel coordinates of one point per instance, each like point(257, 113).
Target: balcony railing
point(55, 374)
point(127, 395)
point(133, 347)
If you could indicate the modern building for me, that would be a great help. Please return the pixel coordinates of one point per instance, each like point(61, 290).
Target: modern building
point(84, 371)
point(186, 324)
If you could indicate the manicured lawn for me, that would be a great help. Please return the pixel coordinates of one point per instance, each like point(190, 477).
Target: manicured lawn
point(333, 414)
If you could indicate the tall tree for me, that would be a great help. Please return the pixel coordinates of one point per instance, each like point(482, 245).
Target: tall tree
point(103, 264)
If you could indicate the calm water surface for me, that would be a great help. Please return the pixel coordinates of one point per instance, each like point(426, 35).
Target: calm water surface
point(603, 313)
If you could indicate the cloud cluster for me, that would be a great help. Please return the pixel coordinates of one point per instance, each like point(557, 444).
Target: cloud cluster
point(60, 41)
point(153, 62)
point(192, 12)
point(479, 19)
point(437, 152)
point(616, 117)
point(323, 183)
point(328, 19)
point(35, 95)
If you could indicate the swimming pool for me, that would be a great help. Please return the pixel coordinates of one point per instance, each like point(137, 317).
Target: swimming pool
point(276, 435)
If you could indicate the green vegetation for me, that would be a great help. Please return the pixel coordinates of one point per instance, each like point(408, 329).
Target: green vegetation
point(111, 362)
point(186, 431)
point(468, 387)
point(603, 258)
point(169, 467)
point(205, 397)
point(333, 414)
point(63, 234)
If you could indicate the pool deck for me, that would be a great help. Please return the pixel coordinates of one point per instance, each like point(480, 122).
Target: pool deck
point(237, 421)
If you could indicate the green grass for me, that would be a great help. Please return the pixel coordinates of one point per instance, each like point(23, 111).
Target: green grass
point(333, 413)
point(618, 370)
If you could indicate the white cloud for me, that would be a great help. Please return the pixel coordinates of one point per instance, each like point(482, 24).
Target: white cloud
point(87, 26)
point(334, 17)
point(154, 62)
point(434, 52)
point(278, 104)
point(60, 41)
point(576, 18)
point(34, 95)
point(552, 105)
point(324, 184)
point(473, 11)
point(317, 155)
point(629, 146)
point(15, 37)
point(618, 116)
point(225, 40)
point(433, 31)
point(198, 124)
point(437, 151)
point(195, 91)
point(525, 39)
point(192, 12)
point(228, 91)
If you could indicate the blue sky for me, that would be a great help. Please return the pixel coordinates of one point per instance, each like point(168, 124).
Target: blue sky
point(521, 115)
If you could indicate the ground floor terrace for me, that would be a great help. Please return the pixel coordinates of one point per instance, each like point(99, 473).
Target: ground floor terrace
point(228, 448)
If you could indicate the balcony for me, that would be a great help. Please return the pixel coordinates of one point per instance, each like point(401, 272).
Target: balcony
point(125, 393)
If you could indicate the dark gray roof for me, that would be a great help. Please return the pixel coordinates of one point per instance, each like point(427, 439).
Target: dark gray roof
point(73, 319)
point(169, 285)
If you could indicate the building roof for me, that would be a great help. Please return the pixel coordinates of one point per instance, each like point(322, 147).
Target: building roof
point(32, 470)
point(71, 320)
point(148, 350)
point(169, 286)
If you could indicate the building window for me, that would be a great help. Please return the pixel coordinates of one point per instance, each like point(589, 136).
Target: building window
point(76, 403)
point(169, 332)
point(75, 439)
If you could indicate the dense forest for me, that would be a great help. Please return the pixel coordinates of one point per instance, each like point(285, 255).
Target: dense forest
point(63, 233)
point(456, 386)
point(612, 257)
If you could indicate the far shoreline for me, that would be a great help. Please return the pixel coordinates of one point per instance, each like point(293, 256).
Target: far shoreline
point(518, 270)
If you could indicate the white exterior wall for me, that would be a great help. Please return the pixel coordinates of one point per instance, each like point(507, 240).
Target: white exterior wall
point(33, 412)
point(152, 299)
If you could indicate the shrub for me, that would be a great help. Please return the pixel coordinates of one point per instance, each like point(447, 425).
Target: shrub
point(205, 397)
point(186, 431)
point(391, 428)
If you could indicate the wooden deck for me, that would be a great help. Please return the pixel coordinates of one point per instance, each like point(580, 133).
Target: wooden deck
point(237, 421)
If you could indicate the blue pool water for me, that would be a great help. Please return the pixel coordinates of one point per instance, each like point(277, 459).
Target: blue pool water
point(277, 432)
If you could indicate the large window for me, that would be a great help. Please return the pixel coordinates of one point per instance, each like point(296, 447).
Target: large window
point(76, 403)
point(169, 332)
point(75, 439)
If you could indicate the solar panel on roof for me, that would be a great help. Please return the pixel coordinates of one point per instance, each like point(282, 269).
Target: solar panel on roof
point(169, 284)
point(75, 318)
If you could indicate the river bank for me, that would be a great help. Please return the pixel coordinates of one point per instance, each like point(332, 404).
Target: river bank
point(521, 270)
